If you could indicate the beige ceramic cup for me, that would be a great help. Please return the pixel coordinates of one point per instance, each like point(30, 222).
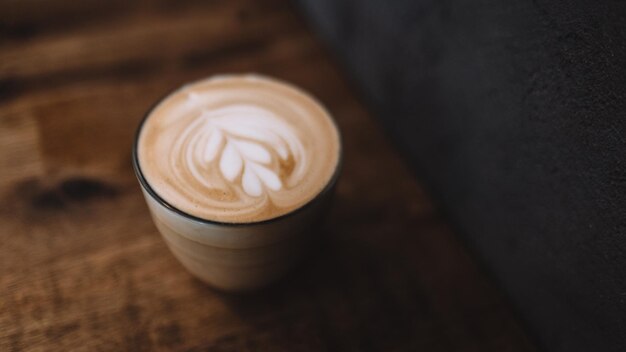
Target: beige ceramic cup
point(240, 256)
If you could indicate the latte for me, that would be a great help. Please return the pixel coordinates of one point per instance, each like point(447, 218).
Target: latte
point(238, 149)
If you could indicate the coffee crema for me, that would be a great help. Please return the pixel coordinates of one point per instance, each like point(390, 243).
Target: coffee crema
point(238, 148)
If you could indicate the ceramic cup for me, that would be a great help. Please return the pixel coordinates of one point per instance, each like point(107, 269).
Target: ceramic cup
point(236, 256)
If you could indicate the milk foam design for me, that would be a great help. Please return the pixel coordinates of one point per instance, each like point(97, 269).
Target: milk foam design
point(238, 148)
point(241, 141)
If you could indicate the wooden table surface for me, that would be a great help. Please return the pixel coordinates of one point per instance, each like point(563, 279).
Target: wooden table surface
point(83, 268)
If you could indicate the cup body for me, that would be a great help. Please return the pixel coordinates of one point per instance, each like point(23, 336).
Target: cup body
point(238, 257)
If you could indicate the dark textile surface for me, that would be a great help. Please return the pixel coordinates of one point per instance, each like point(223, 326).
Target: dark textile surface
point(514, 114)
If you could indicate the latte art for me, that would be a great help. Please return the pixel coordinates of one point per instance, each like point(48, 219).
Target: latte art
point(247, 144)
point(238, 149)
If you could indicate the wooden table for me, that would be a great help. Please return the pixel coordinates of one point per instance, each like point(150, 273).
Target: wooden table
point(82, 267)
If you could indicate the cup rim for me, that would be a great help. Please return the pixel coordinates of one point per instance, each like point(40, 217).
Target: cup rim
point(146, 185)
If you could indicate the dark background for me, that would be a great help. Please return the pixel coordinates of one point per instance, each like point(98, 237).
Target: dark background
point(512, 112)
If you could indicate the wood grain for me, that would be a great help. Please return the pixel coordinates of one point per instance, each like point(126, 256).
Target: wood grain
point(83, 268)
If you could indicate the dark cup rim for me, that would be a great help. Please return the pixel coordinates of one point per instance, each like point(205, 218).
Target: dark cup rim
point(146, 185)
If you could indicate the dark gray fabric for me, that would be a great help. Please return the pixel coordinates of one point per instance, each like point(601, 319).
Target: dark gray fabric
point(513, 112)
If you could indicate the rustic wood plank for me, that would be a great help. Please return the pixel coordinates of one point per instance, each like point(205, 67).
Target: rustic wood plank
point(135, 47)
point(82, 266)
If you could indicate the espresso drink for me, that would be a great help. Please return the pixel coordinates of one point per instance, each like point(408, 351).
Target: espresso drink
point(238, 149)
point(237, 172)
